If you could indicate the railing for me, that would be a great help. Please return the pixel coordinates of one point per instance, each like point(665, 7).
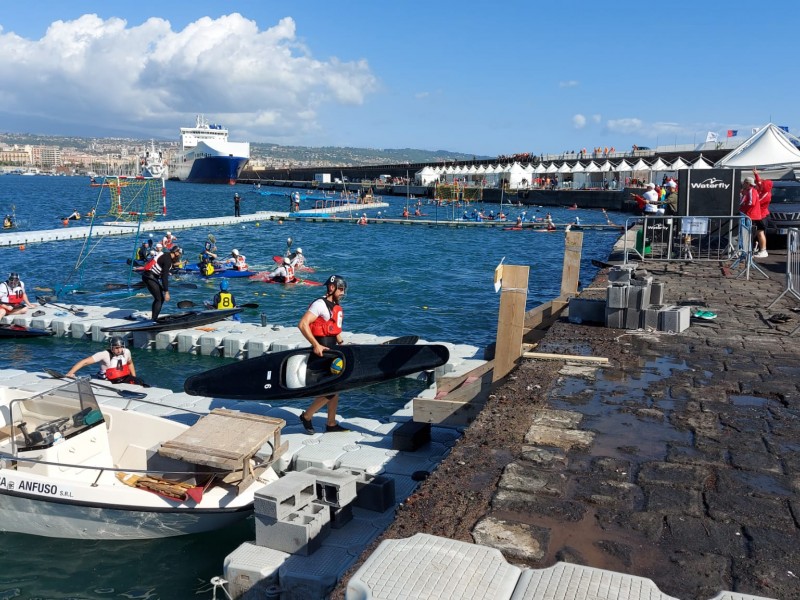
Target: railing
point(693, 238)
point(792, 268)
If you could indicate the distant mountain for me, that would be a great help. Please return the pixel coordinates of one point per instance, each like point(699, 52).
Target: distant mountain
point(271, 154)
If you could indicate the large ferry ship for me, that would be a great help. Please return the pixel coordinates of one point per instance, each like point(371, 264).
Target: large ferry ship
point(206, 155)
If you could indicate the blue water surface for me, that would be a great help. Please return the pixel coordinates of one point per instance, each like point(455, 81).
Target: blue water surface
point(431, 281)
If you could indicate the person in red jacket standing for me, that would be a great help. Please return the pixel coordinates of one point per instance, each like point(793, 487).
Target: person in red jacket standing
point(764, 187)
point(750, 205)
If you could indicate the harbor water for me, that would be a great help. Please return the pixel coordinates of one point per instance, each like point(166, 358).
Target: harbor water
point(435, 282)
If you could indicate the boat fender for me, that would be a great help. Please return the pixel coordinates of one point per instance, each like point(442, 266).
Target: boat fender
point(296, 367)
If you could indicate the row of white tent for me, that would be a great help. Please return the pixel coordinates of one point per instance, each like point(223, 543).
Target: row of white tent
point(515, 173)
point(769, 147)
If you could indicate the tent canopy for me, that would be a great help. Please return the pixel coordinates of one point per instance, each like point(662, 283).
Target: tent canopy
point(770, 146)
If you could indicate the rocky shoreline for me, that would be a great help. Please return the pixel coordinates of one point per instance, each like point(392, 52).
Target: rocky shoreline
point(678, 461)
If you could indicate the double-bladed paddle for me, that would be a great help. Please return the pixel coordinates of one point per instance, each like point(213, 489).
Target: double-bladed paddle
point(190, 304)
point(43, 300)
point(122, 393)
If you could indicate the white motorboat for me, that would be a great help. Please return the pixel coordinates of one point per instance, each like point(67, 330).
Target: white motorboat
point(71, 468)
point(206, 155)
point(152, 163)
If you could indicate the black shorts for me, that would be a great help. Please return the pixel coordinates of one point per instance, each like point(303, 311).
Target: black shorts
point(759, 225)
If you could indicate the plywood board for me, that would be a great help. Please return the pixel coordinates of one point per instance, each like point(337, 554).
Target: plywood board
point(572, 263)
point(511, 318)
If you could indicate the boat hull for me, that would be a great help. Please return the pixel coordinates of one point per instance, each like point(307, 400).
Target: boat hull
point(185, 320)
point(212, 169)
point(38, 515)
point(281, 375)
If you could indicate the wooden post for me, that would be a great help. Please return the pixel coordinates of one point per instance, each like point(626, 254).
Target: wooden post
point(511, 319)
point(572, 263)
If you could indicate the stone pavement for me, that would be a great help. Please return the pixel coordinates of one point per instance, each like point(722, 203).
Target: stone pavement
point(678, 461)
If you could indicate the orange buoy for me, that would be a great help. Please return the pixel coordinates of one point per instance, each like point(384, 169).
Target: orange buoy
point(22, 247)
point(65, 222)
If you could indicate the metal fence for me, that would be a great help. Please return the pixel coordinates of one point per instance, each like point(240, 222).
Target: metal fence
point(792, 268)
point(695, 238)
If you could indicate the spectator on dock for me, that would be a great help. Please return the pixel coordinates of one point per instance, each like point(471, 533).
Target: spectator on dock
point(750, 205)
point(116, 364)
point(321, 325)
point(764, 187)
point(236, 201)
point(13, 298)
point(671, 199)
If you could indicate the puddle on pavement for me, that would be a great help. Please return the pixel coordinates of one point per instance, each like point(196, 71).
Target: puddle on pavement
point(612, 406)
point(753, 401)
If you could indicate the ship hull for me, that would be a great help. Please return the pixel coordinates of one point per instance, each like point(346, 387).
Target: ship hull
point(212, 169)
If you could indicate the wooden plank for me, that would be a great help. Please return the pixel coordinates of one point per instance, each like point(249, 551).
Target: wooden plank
point(571, 357)
point(447, 384)
point(510, 320)
point(447, 413)
point(572, 263)
point(545, 314)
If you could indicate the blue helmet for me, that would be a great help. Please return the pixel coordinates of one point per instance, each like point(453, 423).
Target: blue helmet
point(224, 285)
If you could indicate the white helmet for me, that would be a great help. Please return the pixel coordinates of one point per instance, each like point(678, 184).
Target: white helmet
point(235, 252)
point(299, 250)
point(169, 233)
point(159, 245)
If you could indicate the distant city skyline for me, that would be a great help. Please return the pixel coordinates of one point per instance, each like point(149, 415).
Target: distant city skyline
point(456, 76)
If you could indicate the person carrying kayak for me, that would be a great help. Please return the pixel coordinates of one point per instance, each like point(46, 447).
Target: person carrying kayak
point(116, 364)
point(156, 278)
point(321, 325)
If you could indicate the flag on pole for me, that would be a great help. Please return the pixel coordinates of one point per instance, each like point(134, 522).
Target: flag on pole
point(754, 130)
point(784, 127)
point(711, 136)
point(732, 132)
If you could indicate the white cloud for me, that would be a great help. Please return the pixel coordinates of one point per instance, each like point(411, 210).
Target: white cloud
point(567, 84)
point(597, 118)
point(421, 95)
point(578, 121)
point(627, 126)
point(150, 80)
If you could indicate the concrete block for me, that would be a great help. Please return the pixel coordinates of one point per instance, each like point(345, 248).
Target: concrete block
point(638, 297)
point(334, 487)
point(615, 317)
point(299, 532)
point(375, 493)
point(583, 310)
point(211, 343)
point(650, 316)
point(633, 318)
point(411, 435)
point(62, 326)
point(251, 565)
point(234, 344)
point(187, 342)
point(617, 296)
point(617, 275)
point(288, 494)
point(657, 293)
point(81, 330)
point(675, 319)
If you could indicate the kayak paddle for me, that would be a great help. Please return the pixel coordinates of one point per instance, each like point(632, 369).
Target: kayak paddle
point(43, 300)
point(190, 304)
point(122, 393)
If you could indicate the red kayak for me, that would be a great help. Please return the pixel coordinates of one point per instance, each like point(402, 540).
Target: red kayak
point(305, 269)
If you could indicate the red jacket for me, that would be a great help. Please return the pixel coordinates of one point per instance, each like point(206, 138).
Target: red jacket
point(750, 203)
point(764, 187)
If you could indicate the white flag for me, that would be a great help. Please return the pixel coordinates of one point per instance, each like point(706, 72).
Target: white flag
point(711, 136)
point(754, 130)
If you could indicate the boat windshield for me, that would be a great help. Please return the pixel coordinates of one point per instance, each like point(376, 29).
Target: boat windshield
point(63, 412)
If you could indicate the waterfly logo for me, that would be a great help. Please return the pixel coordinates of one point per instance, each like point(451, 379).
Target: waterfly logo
point(712, 183)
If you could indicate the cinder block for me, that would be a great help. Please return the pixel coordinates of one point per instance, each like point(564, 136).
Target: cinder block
point(648, 280)
point(633, 318)
point(619, 275)
point(650, 316)
point(375, 493)
point(638, 296)
point(411, 435)
point(617, 296)
point(288, 494)
point(299, 532)
point(334, 487)
point(675, 319)
point(582, 310)
point(249, 566)
point(657, 293)
point(615, 317)
point(640, 274)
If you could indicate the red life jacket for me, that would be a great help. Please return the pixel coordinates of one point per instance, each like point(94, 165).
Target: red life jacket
point(333, 326)
point(14, 294)
point(113, 373)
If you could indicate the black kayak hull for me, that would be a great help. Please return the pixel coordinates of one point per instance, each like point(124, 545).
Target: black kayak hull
point(284, 375)
point(19, 331)
point(183, 320)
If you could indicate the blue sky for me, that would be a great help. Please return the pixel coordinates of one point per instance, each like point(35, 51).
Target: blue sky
point(474, 77)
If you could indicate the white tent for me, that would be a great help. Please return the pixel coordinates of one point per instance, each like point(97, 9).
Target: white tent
point(622, 166)
point(540, 168)
point(607, 166)
point(514, 176)
point(551, 168)
point(426, 176)
point(769, 147)
point(592, 167)
point(700, 163)
point(564, 168)
point(660, 165)
point(640, 166)
point(679, 164)
point(578, 168)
